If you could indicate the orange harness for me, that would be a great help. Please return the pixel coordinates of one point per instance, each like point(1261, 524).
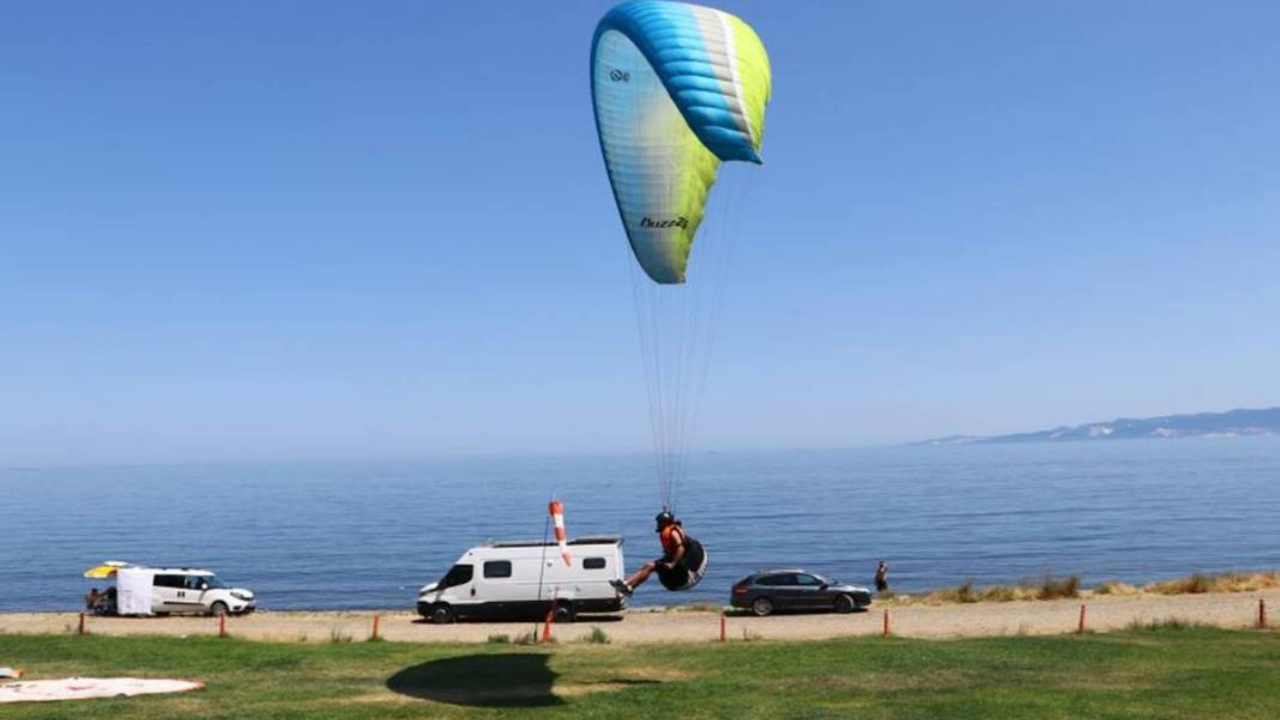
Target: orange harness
point(668, 538)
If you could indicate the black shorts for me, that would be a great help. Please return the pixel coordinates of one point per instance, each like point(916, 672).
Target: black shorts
point(686, 573)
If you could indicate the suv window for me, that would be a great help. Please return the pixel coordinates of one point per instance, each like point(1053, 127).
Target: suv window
point(776, 580)
point(593, 563)
point(807, 580)
point(458, 575)
point(169, 581)
point(497, 569)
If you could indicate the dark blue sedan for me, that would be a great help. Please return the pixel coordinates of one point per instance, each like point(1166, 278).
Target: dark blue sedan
point(771, 591)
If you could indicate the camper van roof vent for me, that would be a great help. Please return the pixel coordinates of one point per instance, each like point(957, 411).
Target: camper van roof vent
point(597, 540)
point(585, 540)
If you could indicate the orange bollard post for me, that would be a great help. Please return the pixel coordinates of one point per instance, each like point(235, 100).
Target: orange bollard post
point(886, 623)
point(723, 628)
point(1080, 626)
point(80, 631)
point(376, 618)
point(222, 625)
point(546, 626)
point(1262, 614)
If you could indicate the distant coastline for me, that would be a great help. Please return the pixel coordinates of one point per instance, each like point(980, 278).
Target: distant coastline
point(1233, 423)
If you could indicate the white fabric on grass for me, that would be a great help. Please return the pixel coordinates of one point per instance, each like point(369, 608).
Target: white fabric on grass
point(88, 688)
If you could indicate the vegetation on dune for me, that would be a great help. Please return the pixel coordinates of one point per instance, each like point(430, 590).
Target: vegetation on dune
point(1048, 588)
point(1223, 582)
point(1055, 588)
point(1114, 587)
point(1165, 669)
point(1052, 588)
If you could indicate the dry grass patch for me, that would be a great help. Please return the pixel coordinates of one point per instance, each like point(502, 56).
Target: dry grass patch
point(1169, 623)
point(657, 673)
point(1200, 583)
point(876, 682)
point(1114, 587)
point(1048, 588)
point(962, 593)
point(1052, 588)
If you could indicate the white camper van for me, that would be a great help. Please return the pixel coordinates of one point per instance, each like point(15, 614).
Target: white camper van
point(509, 580)
point(161, 591)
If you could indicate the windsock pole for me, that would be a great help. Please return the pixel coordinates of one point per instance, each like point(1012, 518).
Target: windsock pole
point(557, 516)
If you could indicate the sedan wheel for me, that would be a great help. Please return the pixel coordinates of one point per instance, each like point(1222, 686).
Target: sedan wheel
point(762, 606)
point(845, 604)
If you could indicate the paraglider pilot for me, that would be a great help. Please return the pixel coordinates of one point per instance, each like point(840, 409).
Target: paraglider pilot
point(677, 568)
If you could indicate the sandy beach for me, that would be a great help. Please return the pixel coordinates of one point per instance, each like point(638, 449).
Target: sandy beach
point(1103, 613)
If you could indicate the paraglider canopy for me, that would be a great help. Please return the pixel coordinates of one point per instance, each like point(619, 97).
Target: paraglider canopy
point(677, 88)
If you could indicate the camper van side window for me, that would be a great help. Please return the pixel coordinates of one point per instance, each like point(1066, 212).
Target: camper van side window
point(593, 563)
point(458, 575)
point(497, 569)
point(170, 581)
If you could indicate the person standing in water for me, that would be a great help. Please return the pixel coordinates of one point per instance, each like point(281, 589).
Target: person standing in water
point(882, 576)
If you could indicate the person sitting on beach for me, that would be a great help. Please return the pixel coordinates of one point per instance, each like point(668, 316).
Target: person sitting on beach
point(92, 599)
point(674, 546)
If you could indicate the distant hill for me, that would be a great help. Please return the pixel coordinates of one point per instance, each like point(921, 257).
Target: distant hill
point(1228, 424)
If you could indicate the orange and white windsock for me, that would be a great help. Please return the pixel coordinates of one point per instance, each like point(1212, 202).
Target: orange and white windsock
point(557, 517)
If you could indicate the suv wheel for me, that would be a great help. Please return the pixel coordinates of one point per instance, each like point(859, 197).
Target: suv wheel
point(762, 606)
point(441, 615)
point(845, 604)
point(218, 608)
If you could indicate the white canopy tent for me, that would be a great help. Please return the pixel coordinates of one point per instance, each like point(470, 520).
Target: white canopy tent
point(133, 590)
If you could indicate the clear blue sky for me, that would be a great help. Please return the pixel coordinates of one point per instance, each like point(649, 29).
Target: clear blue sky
point(359, 229)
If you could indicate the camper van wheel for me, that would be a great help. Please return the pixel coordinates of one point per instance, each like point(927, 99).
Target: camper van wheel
point(441, 615)
point(218, 608)
point(564, 612)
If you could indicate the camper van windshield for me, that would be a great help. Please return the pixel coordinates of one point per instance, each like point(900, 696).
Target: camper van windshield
point(457, 575)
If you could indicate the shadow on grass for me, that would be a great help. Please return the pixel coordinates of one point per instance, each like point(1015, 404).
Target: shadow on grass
point(502, 680)
point(497, 680)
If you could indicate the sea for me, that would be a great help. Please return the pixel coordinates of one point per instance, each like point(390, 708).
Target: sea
point(367, 534)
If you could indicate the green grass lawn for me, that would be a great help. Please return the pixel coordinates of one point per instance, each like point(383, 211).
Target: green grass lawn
point(1165, 673)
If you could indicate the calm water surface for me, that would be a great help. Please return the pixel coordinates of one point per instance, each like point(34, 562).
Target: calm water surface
point(367, 534)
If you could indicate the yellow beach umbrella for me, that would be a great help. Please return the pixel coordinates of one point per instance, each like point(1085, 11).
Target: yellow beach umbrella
point(105, 570)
